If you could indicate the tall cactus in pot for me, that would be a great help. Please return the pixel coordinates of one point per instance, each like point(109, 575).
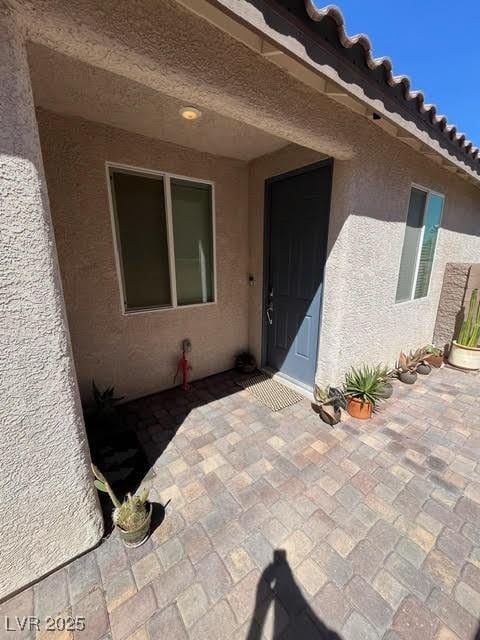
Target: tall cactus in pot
point(469, 335)
point(465, 352)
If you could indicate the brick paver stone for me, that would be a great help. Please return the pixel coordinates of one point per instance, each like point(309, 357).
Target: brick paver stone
point(192, 604)
point(93, 607)
point(214, 577)
point(413, 621)
point(357, 628)
point(51, 595)
point(217, 624)
point(133, 613)
point(146, 569)
point(166, 624)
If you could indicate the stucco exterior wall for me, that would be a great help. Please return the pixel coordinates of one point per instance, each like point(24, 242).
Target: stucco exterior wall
point(49, 505)
point(361, 321)
point(138, 353)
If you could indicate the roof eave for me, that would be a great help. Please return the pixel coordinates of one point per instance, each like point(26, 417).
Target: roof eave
point(269, 29)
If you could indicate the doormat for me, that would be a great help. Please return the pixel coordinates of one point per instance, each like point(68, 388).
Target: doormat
point(271, 393)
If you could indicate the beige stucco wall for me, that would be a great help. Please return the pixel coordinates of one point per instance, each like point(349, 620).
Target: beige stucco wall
point(361, 321)
point(49, 510)
point(138, 353)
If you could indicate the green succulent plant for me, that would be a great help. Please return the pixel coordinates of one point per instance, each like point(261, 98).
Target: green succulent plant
point(365, 383)
point(130, 514)
point(409, 362)
point(431, 350)
point(469, 335)
point(105, 401)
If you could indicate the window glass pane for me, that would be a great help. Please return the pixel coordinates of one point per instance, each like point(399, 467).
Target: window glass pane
point(142, 232)
point(411, 244)
point(193, 241)
point(433, 217)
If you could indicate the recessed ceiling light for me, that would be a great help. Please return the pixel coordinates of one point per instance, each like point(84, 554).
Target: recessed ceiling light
point(190, 113)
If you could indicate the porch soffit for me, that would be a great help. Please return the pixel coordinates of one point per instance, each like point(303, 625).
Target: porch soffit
point(313, 45)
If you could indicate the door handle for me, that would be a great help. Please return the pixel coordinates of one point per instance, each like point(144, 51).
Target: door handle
point(269, 309)
point(269, 314)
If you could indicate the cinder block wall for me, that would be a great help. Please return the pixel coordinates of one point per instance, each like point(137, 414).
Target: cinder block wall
point(459, 281)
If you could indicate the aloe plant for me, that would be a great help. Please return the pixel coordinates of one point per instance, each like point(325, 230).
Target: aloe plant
point(130, 514)
point(365, 383)
point(409, 362)
point(469, 335)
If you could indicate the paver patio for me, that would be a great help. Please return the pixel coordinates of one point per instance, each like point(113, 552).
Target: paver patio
point(280, 526)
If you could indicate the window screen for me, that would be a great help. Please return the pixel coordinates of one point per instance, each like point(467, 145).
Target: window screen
point(193, 240)
point(142, 234)
point(423, 221)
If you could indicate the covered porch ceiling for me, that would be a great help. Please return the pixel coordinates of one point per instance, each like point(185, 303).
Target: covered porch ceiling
point(69, 86)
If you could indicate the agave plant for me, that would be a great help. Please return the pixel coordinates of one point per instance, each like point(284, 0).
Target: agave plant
point(409, 362)
point(365, 383)
point(105, 401)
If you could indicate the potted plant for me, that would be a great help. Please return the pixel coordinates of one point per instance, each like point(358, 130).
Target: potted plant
point(386, 375)
point(465, 352)
point(424, 368)
point(104, 411)
point(363, 388)
point(406, 368)
point(132, 517)
point(433, 355)
point(330, 403)
point(245, 362)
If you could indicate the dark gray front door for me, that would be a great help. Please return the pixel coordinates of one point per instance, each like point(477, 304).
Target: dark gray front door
point(297, 217)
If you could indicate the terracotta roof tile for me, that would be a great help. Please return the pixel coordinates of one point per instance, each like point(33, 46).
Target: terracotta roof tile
point(427, 111)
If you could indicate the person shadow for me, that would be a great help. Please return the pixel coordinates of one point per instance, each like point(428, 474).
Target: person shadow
point(293, 617)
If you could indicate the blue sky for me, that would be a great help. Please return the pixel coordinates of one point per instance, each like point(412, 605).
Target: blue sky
point(436, 44)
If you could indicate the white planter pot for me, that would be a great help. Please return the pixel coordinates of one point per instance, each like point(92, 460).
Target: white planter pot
point(464, 357)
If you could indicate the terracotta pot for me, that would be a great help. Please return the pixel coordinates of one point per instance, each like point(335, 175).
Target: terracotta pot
point(138, 536)
point(434, 361)
point(359, 409)
point(464, 357)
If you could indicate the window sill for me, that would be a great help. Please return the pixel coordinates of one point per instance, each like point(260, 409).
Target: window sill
point(411, 301)
point(137, 312)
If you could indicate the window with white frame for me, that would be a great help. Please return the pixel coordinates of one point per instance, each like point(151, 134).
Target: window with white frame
point(164, 232)
point(423, 222)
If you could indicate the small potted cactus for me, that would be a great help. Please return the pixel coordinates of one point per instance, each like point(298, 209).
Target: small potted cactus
point(132, 517)
point(330, 402)
point(245, 362)
point(433, 356)
point(465, 352)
